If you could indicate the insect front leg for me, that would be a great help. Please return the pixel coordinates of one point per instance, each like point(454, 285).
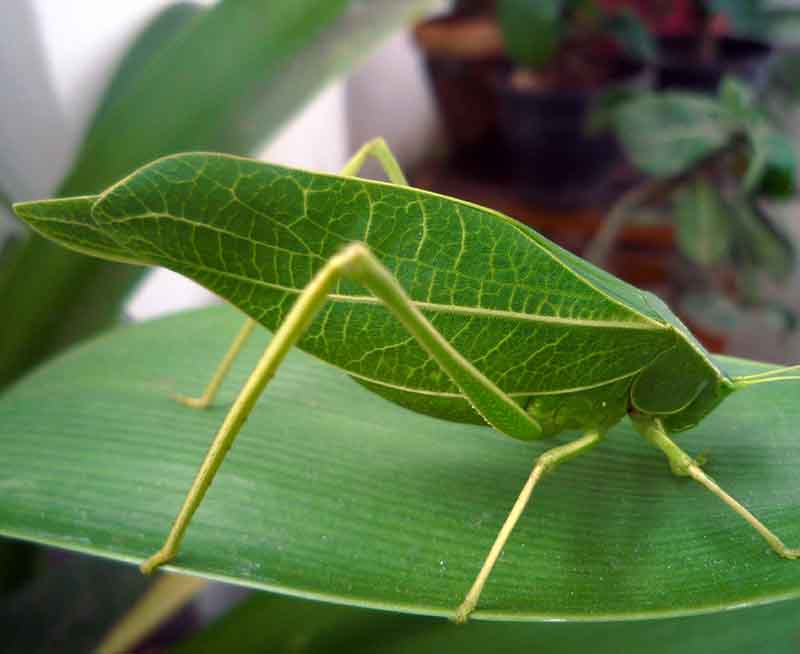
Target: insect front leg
point(545, 463)
point(683, 465)
point(382, 153)
point(359, 264)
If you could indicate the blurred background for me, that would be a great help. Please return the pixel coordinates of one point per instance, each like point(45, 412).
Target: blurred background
point(657, 138)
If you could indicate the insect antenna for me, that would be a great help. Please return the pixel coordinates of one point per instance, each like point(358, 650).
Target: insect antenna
point(774, 375)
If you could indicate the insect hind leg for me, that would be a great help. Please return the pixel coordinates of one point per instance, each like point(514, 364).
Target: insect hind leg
point(358, 263)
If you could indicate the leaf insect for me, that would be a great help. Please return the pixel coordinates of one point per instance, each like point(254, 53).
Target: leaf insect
point(442, 306)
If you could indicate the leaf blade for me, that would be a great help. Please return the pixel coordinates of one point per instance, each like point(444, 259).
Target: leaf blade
point(664, 133)
point(97, 460)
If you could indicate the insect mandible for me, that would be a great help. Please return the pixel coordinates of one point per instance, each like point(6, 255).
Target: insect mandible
point(442, 306)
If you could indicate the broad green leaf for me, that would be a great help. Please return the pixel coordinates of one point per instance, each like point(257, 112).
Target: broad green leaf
point(167, 106)
point(162, 29)
point(223, 78)
point(772, 168)
point(704, 231)
point(255, 57)
point(665, 133)
point(332, 493)
point(256, 234)
point(532, 29)
point(759, 241)
point(266, 623)
point(737, 98)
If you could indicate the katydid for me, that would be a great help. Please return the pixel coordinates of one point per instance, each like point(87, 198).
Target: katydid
point(442, 306)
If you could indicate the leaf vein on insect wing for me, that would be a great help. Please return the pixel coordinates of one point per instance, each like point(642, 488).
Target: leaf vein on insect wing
point(521, 309)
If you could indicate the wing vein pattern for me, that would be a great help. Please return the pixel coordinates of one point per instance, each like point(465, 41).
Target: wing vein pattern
point(532, 317)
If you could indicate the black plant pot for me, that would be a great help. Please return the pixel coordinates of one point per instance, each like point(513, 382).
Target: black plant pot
point(681, 67)
point(557, 160)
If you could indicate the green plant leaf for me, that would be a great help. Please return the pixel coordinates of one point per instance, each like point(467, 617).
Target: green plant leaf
point(704, 231)
point(255, 57)
point(333, 493)
point(737, 98)
point(665, 133)
point(759, 243)
point(532, 29)
point(161, 30)
point(773, 167)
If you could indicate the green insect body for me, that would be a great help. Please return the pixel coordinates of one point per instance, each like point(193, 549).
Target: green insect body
point(544, 331)
point(565, 329)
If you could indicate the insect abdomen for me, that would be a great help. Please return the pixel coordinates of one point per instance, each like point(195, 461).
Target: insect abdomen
point(595, 408)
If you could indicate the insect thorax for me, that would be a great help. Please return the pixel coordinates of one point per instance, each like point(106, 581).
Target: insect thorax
point(708, 400)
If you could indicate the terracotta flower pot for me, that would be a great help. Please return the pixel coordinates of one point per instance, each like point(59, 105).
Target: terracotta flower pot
point(461, 55)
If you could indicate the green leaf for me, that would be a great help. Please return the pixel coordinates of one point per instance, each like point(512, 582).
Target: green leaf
point(737, 98)
point(332, 493)
point(772, 168)
point(759, 242)
point(663, 134)
point(704, 231)
point(532, 29)
point(255, 72)
point(162, 29)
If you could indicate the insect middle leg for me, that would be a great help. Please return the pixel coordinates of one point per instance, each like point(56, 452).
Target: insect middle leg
point(377, 148)
point(683, 465)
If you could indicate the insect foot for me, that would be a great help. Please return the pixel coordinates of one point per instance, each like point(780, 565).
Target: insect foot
point(192, 402)
point(790, 553)
point(683, 465)
point(157, 560)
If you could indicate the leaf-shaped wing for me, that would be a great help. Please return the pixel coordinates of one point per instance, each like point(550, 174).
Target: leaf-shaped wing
point(531, 317)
